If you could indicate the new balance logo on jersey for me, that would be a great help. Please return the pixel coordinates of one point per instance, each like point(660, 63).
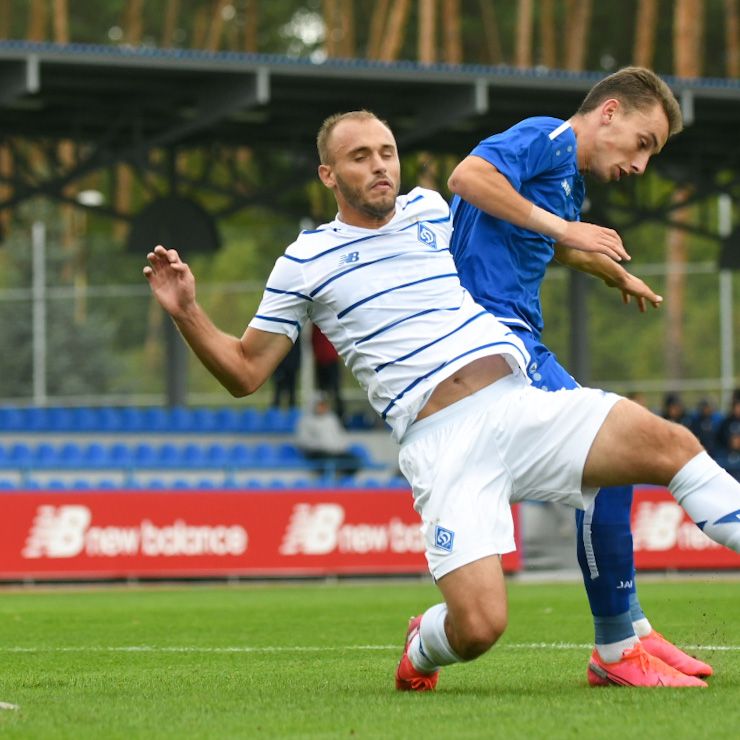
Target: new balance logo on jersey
point(566, 187)
point(349, 258)
point(443, 538)
point(427, 236)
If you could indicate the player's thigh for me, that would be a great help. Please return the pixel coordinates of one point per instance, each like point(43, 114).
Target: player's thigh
point(633, 444)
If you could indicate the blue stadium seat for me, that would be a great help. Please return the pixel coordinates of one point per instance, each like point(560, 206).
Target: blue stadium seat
point(132, 419)
point(217, 456)
point(45, 456)
point(265, 456)
point(249, 421)
point(7, 485)
point(120, 456)
point(95, 455)
point(181, 419)
point(60, 419)
point(276, 421)
point(144, 455)
point(55, 484)
point(206, 483)
point(81, 484)
point(169, 456)
point(192, 456)
point(155, 419)
point(203, 420)
point(11, 419)
point(36, 419)
point(20, 455)
point(71, 455)
point(225, 420)
point(289, 456)
point(241, 456)
point(108, 419)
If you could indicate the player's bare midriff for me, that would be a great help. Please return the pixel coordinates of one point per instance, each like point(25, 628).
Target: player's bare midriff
point(466, 381)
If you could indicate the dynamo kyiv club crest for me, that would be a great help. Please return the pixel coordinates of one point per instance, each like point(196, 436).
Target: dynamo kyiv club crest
point(427, 236)
point(443, 538)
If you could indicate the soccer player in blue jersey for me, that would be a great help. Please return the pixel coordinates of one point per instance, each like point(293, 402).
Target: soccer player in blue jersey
point(517, 205)
point(450, 380)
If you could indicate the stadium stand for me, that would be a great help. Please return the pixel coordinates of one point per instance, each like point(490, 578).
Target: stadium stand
point(154, 447)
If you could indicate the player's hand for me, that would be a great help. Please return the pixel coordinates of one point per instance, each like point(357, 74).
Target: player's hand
point(592, 238)
point(633, 287)
point(171, 280)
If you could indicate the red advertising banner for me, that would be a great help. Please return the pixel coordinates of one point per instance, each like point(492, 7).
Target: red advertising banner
point(664, 536)
point(162, 534)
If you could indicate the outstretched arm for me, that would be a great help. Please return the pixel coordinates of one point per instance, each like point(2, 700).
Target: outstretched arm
point(481, 184)
point(240, 365)
point(613, 274)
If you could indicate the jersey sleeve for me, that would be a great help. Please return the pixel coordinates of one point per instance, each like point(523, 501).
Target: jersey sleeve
point(519, 154)
point(285, 303)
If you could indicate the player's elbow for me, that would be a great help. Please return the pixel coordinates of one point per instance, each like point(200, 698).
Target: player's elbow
point(457, 181)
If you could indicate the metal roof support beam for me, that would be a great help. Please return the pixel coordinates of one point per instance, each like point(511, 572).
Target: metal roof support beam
point(18, 78)
point(447, 108)
point(217, 102)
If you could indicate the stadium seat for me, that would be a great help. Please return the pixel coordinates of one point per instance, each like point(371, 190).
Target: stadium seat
point(11, 419)
point(192, 456)
point(132, 419)
point(45, 456)
point(289, 456)
point(169, 456)
point(264, 456)
point(95, 455)
point(203, 420)
point(20, 455)
point(144, 456)
point(180, 419)
point(241, 456)
point(71, 456)
point(120, 456)
point(225, 420)
point(60, 419)
point(249, 421)
point(155, 419)
point(216, 456)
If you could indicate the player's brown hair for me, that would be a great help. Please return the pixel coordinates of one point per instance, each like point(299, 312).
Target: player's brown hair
point(322, 138)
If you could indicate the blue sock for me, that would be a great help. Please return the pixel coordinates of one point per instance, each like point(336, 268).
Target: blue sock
point(604, 548)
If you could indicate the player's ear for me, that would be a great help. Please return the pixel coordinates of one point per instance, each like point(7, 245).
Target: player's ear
point(608, 109)
point(326, 175)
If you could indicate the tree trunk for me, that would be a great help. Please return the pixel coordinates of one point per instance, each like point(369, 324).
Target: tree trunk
point(523, 53)
point(377, 25)
point(251, 25)
point(331, 24)
point(61, 22)
point(490, 27)
point(732, 34)
point(6, 18)
point(347, 27)
point(427, 31)
point(393, 40)
point(171, 13)
point(133, 22)
point(549, 53)
point(37, 17)
point(452, 24)
point(687, 33)
point(578, 22)
point(646, 25)
point(216, 27)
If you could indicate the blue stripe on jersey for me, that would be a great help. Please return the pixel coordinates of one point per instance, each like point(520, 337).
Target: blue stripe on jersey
point(289, 292)
point(400, 321)
point(342, 314)
point(414, 200)
point(352, 269)
point(277, 320)
point(430, 344)
point(441, 367)
point(343, 245)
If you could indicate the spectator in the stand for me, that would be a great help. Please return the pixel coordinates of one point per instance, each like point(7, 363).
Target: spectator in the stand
point(328, 368)
point(704, 425)
point(321, 437)
point(285, 377)
point(674, 409)
point(729, 427)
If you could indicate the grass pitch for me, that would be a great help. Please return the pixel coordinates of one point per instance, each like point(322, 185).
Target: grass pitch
point(316, 660)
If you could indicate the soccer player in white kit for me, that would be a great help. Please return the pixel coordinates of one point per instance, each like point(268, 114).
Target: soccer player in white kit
point(450, 381)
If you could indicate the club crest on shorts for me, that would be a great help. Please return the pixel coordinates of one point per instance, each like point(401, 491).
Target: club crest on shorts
point(427, 236)
point(443, 538)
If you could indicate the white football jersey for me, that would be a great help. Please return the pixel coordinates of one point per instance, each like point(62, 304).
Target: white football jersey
point(391, 303)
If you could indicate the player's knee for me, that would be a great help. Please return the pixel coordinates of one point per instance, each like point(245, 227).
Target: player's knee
point(478, 633)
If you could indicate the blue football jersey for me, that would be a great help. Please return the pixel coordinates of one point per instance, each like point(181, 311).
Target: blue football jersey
point(501, 264)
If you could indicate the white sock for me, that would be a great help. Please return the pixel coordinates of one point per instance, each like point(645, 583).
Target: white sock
point(430, 649)
point(612, 652)
point(711, 497)
point(642, 627)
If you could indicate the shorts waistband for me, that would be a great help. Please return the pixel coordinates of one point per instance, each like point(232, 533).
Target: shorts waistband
point(484, 397)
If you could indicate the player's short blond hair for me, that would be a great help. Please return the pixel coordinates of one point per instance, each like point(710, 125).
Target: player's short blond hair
point(637, 88)
point(329, 124)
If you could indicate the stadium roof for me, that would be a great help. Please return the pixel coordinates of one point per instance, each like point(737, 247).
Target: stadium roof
point(124, 102)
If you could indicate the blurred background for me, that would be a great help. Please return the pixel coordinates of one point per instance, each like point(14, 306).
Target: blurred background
point(191, 122)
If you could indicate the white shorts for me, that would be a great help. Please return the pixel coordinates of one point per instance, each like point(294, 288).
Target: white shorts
point(508, 442)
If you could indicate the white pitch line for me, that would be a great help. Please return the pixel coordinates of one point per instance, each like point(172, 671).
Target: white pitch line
point(301, 648)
